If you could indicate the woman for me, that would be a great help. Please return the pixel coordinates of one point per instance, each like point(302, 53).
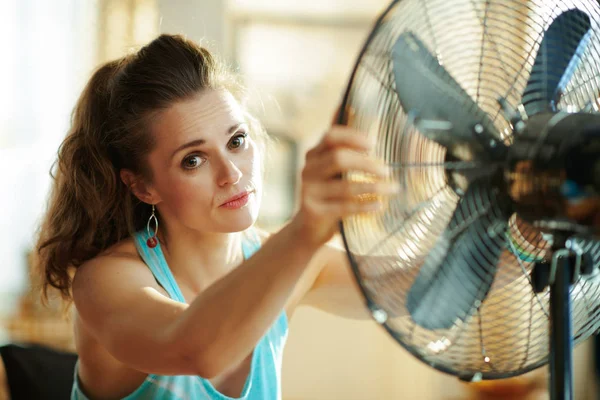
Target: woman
point(159, 138)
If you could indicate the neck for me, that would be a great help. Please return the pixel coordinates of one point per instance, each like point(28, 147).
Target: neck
point(198, 259)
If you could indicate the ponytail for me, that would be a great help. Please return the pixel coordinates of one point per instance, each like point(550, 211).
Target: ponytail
point(86, 190)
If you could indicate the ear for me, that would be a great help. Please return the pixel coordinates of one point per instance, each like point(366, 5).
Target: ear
point(138, 186)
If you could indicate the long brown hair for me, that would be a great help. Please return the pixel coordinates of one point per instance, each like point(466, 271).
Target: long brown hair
point(90, 208)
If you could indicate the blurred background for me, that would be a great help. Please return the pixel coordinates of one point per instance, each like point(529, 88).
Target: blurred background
point(296, 57)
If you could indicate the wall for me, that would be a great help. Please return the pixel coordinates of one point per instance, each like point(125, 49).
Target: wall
point(46, 58)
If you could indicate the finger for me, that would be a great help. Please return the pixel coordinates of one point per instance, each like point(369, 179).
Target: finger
point(333, 163)
point(355, 191)
point(343, 209)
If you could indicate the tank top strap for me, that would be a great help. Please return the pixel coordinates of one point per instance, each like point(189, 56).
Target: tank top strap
point(155, 259)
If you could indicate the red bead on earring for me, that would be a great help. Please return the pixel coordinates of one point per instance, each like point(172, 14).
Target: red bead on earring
point(152, 241)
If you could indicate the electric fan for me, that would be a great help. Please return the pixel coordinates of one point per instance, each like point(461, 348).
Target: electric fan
point(486, 264)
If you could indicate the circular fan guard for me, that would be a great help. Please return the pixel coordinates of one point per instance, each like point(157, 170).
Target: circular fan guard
point(489, 48)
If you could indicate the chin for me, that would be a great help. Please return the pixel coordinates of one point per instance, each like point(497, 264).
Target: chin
point(240, 222)
point(240, 226)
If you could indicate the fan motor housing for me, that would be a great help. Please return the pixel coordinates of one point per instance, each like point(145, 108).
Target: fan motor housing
point(553, 170)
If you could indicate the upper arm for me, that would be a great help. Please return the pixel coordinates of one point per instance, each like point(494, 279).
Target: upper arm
point(122, 306)
point(329, 285)
point(336, 290)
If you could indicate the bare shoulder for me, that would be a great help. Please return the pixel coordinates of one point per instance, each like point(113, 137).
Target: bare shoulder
point(120, 315)
point(110, 274)
point(121, 256)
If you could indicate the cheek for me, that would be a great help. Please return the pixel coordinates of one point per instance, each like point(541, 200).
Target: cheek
point(181, 190)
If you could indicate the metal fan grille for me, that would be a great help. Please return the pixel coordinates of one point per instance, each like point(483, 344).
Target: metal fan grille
point(488, 47)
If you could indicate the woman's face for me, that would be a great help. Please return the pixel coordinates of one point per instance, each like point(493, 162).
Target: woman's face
point(205, 156)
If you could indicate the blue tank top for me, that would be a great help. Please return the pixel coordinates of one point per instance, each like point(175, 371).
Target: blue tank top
point(264, 379)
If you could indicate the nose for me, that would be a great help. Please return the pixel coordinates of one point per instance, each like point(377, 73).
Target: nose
point(227, 172)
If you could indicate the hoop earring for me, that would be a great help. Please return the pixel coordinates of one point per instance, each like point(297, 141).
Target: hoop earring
point(152, 240)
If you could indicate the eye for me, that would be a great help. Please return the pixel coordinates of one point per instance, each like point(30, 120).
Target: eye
point(238, 141)
point(191, 162)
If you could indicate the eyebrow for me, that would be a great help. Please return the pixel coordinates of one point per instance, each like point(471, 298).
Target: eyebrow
point(198, 142)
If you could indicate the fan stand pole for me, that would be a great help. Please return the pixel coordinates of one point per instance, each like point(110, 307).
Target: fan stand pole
point(561, 345)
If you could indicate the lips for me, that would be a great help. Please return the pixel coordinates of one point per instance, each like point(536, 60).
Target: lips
point(235, 199)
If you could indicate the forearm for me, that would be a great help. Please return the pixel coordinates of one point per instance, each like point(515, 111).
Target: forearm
point(224, 323)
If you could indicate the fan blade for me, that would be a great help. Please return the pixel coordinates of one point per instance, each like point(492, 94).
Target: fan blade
point(425, 87)
point(556, 60)
point(459, 271)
